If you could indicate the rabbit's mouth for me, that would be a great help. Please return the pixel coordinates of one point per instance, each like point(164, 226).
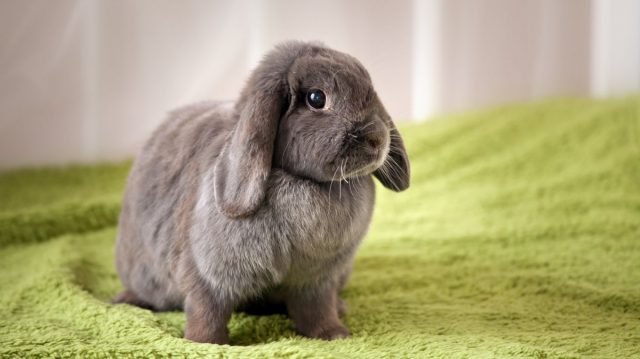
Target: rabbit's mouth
point(361, 162)
point(367, 170)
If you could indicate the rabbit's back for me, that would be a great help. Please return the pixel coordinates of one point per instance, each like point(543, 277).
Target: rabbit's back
point(159, 196)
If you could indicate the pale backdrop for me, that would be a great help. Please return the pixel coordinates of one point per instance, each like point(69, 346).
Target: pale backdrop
point(87, 80)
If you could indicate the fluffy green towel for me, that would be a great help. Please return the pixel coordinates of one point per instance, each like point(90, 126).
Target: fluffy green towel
point(520, 237)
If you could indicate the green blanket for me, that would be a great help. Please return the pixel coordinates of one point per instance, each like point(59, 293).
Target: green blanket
point(520, 237)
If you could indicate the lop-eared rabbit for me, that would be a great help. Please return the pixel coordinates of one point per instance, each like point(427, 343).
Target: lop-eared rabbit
point(263, 202)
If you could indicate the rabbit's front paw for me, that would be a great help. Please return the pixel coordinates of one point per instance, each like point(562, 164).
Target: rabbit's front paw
point(338, 331)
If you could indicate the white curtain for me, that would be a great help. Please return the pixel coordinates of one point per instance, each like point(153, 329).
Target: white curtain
point(87, 80)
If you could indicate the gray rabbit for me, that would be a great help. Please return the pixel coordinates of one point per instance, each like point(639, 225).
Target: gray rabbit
point(263, 202)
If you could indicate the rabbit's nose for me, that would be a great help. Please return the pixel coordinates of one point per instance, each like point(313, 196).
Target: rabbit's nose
point(370, 136)
point(374, 141)
point(371, 142)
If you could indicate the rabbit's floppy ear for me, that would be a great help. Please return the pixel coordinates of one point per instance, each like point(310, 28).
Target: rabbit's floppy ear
point(395, 171)
point(244, 165)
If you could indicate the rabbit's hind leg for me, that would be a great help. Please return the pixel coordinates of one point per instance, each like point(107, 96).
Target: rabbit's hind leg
point(128, 297)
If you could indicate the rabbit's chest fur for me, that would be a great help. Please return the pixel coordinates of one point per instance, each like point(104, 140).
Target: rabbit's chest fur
point(305, 232)
point(321, 224)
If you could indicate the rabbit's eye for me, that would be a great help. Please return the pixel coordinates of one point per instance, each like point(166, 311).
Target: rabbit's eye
point(316, 99)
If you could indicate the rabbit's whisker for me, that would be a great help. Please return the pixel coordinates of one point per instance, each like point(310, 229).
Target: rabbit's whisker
point(345, 177)
point(393, 167)
point(331, 184)
point(365, 126)
point(341, 178)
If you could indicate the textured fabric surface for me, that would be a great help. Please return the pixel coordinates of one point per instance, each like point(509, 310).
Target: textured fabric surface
point(520, 237)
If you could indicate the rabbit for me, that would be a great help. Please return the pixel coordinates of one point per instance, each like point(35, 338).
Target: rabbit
point(261, 202)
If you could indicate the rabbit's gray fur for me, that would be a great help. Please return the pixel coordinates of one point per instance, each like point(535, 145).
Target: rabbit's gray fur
point(261, 201)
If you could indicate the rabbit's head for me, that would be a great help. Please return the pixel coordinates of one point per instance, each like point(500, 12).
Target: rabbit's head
point(313, 112)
